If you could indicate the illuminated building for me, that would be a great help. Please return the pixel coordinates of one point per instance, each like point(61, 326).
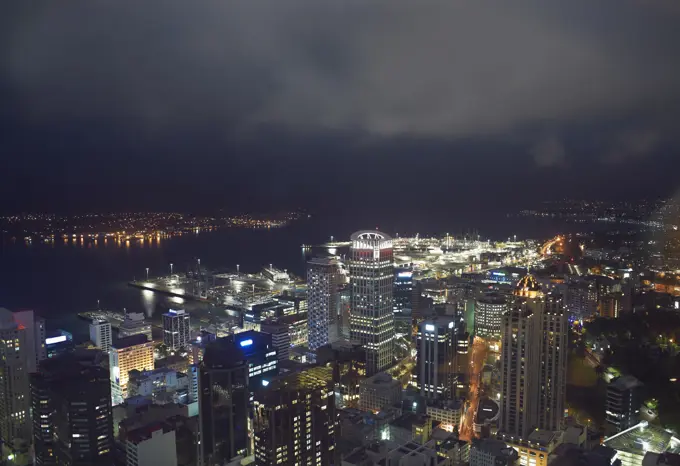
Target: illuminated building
point(223, 401)
point(535, 450)
point(635, 443)
point(134, 324)
point(449, 413)
point(58, 342)
point(296, 422)
point(379, 391)
point(100, 334)
point(371, 286)
point(623, 403)
point(435, 369)
point(280, 337)
point(581, 300)
point(403, 291)
point(610, 305)
point(322, 297)
point(176, 329)
point(14, 389)
point(71, 405)
point(131, 353)
point(487, 319)
point(533, 361)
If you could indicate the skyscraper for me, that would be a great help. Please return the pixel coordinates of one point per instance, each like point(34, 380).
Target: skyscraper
point(488, 312)
point(296, 421)
point(435, 360)
point(14, 388)
point(176, 329)
point(533, 361)
point(371, 272)
point(100, 334)
point(223, 401)
point(35, 337)
point(71, 404)
point(554, 349)
point(322, 297)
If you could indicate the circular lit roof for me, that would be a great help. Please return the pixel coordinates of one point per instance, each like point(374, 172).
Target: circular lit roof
point(370, 235)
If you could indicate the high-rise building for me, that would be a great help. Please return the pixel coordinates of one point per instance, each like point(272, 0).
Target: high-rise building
point(378, 392)
point(100, 334)
point(176, 329)
point(223, 401)
point(371, 274)
point(134, 324)
point(35, 337)
point(296, 421)
point(533, 361)
point(552, 382)
point(435, 360)
point(623, 404)
point(322, 297)
point(489, 309)
point(131, 353)
point(14, 388)
point(71, 404)
point(280, 337)
point(403, 291)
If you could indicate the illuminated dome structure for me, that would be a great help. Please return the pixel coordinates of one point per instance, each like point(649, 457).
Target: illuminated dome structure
point(528, 287)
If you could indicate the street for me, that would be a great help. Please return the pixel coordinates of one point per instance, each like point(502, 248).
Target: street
point(477, 359)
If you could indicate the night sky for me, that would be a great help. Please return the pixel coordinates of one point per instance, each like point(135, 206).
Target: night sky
point(404, 106)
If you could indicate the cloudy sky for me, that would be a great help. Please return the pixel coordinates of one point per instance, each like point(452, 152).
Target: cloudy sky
point(320, 103)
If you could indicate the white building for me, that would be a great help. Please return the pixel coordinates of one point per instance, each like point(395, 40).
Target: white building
point(488, 311)
point(15, 421)
point(371, 281)
point(280, 332)
point(153, 444)
point(176, 329)
point(100, 334)
point(379, 391)
point(322, 296)
point(449, 413)
point(150, 383)
point(134, 324)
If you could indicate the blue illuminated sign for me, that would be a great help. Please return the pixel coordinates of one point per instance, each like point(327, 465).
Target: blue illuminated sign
point(247, 342)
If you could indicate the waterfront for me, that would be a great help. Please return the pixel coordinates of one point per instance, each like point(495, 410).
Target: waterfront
point(60, 280)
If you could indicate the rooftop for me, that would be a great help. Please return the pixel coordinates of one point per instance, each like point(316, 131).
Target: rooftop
point(625, 382)
point(130, 341)
point(643, 438)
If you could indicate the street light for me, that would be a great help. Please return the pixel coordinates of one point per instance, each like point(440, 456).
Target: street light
point(238, 267)
point(147, 274)
point(171, 269)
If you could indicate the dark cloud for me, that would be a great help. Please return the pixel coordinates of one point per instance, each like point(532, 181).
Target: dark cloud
point(434, 69)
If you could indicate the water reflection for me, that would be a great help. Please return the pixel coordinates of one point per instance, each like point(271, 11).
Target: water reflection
point(149, 302)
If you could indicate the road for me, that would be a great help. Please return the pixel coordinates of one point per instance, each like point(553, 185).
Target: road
point(477, 358)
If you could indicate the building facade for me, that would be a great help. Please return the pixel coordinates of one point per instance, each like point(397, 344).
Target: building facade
point(127, 354)
point(435, 370)
point(14, 389)
point(176, 329)
point(152, 444)
point(623, 404)
point(371, 272)
point(322, 297)
point(296, 422)
point(71, 404)
point(379, 391)
point(100, 335)
point(134, 324)
point(489, 310)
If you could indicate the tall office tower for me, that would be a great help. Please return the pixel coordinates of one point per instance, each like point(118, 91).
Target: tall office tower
point(371, 275)
point(35, 337)
point(435, 361)
point(489, 309)
point(223, 402)
point(520, 360)
point(322, 297)
point(622, 407)
point(176, 329)
point(280, 337)
point(296, 421)
point(72, 416)
point(134, 324)
point(403, 291)
point(552, 384)
point(135, 352)
point(14, 389)
point(100, 334)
